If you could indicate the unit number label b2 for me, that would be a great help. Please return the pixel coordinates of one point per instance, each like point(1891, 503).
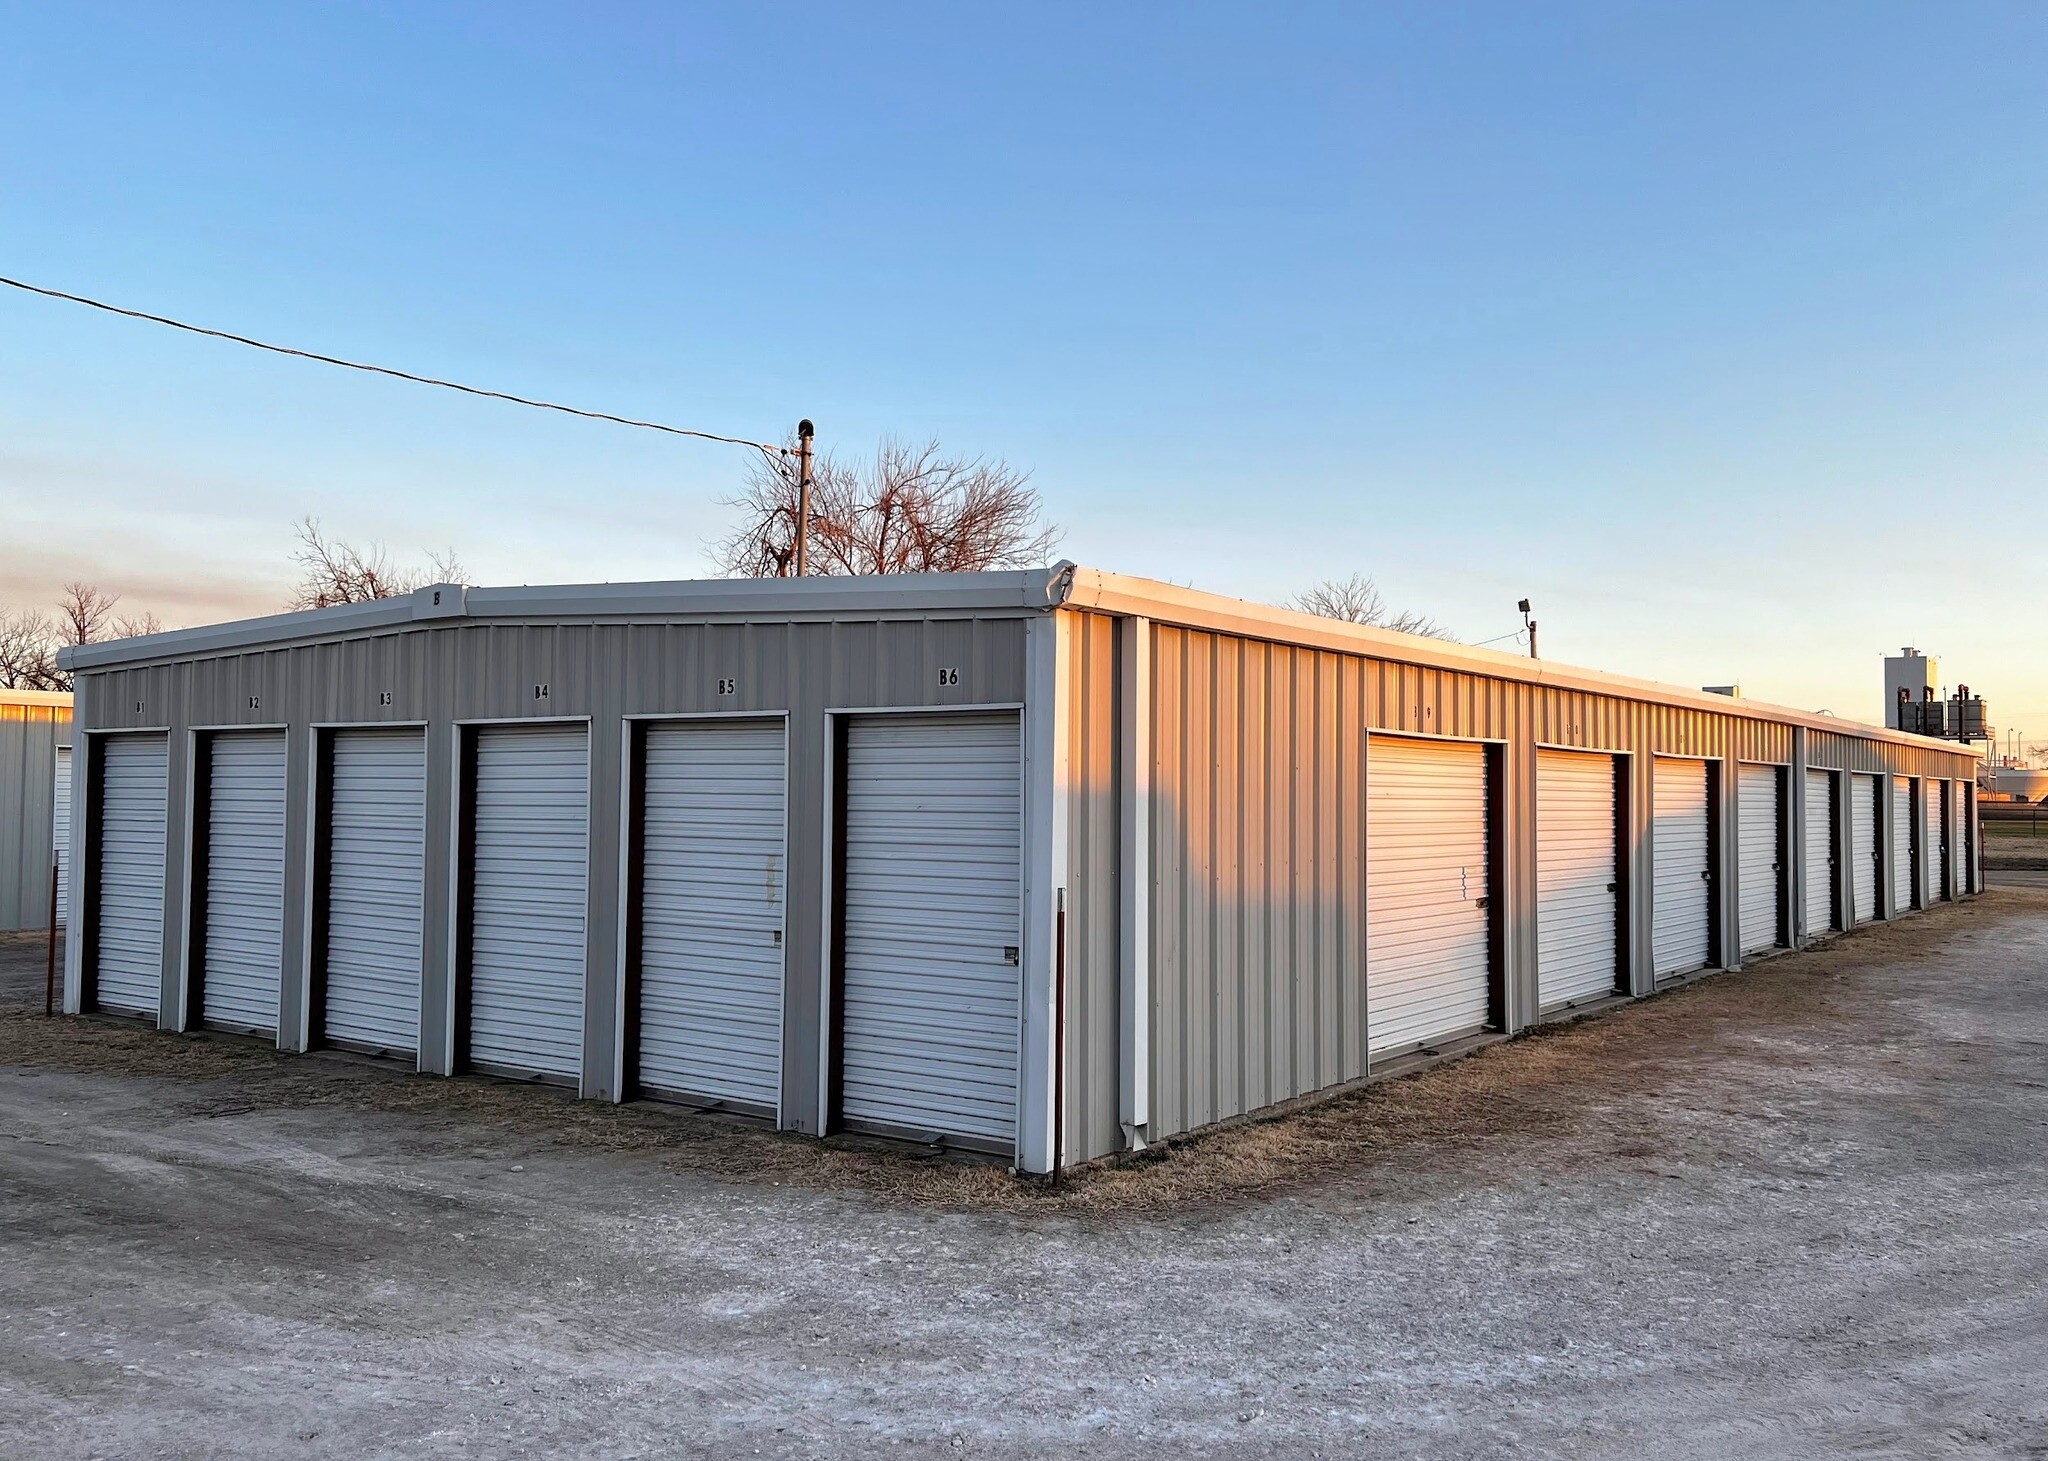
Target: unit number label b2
point(948, 677)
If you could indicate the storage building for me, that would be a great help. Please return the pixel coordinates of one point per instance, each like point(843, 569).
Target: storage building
point(1048, 864)
point(35, 777)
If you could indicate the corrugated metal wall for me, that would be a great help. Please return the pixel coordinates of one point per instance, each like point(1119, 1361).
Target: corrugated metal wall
point(29, 737)
point(441, 672)
point(1257, 829)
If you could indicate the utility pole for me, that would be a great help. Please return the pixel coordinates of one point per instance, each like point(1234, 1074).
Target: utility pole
point(804, 432)
point(1530, 625)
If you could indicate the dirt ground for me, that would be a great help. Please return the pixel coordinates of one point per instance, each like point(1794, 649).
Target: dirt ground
point(1794, 1211)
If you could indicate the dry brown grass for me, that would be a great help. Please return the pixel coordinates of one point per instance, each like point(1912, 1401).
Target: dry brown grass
point(1519, 1090)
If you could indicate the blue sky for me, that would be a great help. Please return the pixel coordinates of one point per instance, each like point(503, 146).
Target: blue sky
point(1717, 330)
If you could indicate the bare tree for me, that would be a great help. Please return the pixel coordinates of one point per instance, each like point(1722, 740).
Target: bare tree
point(28, 652)
point(334, 572)
point(911, 509)
point(1357, 600)
point(29, 641)
point(83, 612)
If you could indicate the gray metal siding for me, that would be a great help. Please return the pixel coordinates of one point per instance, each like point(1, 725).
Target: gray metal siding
point(712, 911)
point(1092, 1063)
point(243, 923)
point(441, 672)
point(29, 737)
point(529, 882)
point(376, 888)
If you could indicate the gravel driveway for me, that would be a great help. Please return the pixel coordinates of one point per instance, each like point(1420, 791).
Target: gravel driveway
point(1794, 1211)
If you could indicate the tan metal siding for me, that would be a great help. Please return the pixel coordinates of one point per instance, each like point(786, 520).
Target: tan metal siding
point(1258, 876)
point(1094, 824)
point(29, 737)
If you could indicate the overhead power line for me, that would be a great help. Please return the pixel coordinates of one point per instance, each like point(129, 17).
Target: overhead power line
point(771, 451)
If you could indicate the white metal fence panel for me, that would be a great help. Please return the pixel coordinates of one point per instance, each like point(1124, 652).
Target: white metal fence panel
point(1820, 852)
point(932, 917)
point(128, 850)
point(1902, 843)
point(376, 888)
point(1428, 950)
point(1681, 893)
point(60, 833)
point(1863, 847)
point(1760, 824)
point(1577, 879)
point(711, 911)
point(529, 880)
point(244, 884)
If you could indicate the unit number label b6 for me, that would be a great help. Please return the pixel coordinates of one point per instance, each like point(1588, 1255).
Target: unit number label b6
point(948, 677)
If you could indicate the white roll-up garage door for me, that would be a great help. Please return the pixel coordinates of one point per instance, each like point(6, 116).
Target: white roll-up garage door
point(1863, 793)
point(60, 833)
point(376, 886)
point(1760, 829)
point(529, 870)
point(1902, 844)
point(711, 911)
point(1932, 842)
point(128, 854)
point(1577, 881)
point(932, 920)
point(1958, 838)
point(244, 881)
point(1820, 852)
point(1682, 902)
point(1428, 939)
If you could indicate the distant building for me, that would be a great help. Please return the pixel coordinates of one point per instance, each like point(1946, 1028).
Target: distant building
point(35, 767)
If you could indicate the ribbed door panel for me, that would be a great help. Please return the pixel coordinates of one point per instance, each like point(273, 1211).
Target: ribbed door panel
point(1576, 878)
point(1820, 852)
point(1428, 951)
point(60, 833)
point(376, 876)
point(932, 919)
point(1958, 843)
point(1762, 878)
point(244, 886)
point(1682, 896)
point(529, 879)
point(711, 911)
point(1902, 843)
point(1933, 841)
point(1863, 792)
point(128, 932)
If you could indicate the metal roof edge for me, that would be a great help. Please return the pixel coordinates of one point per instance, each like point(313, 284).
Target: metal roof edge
point(60, 698)
point(1116, 593)
point(1022, 590)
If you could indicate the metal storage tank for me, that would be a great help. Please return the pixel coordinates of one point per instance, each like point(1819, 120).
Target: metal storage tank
point(1049, 864)
point(35, 733)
